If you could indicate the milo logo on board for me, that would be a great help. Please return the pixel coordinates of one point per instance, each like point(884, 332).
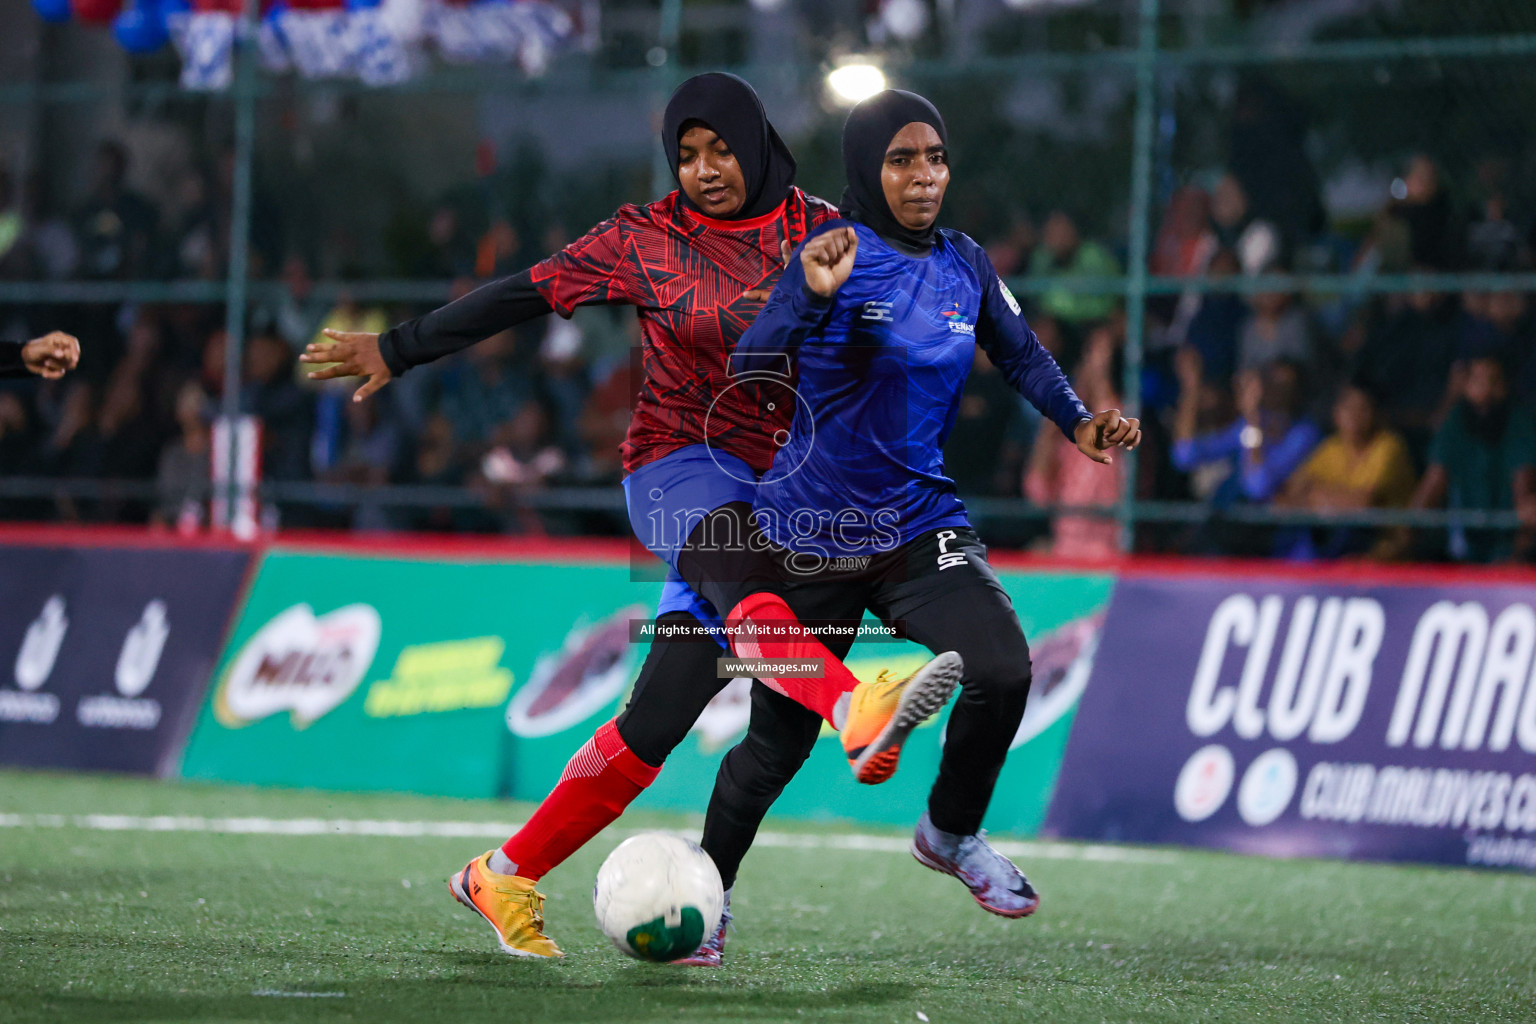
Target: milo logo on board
point(301, 663)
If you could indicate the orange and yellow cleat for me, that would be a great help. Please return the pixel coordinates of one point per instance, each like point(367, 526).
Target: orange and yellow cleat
point(883, 713)
point(509, 904)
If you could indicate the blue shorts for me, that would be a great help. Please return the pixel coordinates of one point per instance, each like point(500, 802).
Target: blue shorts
point(668, 498)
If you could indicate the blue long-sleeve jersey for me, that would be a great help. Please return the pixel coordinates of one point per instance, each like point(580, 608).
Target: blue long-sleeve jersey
point(881, 367)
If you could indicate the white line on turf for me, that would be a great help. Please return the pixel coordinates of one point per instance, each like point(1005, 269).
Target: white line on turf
point(858, 842)
point(298, 995)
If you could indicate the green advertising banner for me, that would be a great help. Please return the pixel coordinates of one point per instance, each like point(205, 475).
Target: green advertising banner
point(357, 673)
point(1061, 613)
point(483, 678)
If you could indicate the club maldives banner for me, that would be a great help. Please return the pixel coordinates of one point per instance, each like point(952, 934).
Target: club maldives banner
point(104, 652)
point(1291, 719)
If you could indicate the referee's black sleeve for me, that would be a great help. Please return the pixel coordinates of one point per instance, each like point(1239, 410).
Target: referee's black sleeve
point(489, 309)
point(11, 364)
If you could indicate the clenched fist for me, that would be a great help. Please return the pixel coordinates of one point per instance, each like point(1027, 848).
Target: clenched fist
point(51, 356)
point(828, 260)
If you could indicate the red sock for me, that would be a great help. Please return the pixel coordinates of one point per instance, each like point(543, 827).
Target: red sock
point(597, 784)
point(820, 695)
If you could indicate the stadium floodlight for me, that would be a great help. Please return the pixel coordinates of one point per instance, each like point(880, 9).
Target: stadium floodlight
point(855, 80)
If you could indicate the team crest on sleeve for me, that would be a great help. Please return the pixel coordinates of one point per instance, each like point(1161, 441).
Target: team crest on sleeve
point(956, 320)
point(1013, 303)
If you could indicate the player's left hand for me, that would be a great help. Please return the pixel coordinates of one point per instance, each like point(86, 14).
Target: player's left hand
point(349, 354)
point(1106, 430)
point(51, 356)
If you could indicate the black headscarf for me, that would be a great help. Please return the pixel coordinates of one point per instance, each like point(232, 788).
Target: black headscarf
point(867, 134)
point(732, 111)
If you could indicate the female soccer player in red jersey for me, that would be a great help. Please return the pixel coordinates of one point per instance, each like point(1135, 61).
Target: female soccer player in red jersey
point(697, 265)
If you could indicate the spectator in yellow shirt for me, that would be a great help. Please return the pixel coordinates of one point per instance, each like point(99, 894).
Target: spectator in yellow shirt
point(1361, 465)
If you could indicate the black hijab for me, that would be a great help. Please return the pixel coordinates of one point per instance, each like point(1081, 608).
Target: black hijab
point(732, 111)
point(867, 134)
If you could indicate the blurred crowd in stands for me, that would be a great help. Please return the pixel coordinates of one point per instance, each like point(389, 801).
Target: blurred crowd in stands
point(1328, 401)
point(1332, 403)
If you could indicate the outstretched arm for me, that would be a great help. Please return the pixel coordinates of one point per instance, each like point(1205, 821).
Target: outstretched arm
point(1018, 354)
point(585, 272)
point(466, 321)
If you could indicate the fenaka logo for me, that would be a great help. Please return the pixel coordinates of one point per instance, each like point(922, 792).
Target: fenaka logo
point(1267, 787)
point(299, 663)
point(956, 320)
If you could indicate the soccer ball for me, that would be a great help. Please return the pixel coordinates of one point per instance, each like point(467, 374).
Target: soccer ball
point(657, 896)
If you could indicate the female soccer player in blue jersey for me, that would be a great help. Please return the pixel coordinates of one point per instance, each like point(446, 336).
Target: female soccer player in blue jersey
point(880, 313)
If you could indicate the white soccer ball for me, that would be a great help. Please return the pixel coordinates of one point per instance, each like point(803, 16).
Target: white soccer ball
point(658, 896)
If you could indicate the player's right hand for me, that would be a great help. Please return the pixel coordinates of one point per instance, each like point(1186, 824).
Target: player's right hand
point(349, 354)
point(52, 355)
point(828, 260)
point(1104, 431)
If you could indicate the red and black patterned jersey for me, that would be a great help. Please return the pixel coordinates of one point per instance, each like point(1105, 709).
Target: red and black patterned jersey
point(687, 275)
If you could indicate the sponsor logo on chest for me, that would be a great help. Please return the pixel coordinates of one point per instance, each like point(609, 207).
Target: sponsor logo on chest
point(956, 320)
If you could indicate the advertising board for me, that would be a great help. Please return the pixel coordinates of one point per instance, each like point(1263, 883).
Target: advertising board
point(1287, 718)
point(482, 678)
point(1062, 613)
point(363, 673)
point(104, 652)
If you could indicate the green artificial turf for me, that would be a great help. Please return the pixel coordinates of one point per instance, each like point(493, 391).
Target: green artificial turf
point(138, 925)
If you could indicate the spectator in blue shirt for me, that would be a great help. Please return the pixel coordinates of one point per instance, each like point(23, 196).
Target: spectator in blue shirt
point(1265, 444)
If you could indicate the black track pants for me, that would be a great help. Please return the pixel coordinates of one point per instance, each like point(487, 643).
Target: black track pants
point(944, 603)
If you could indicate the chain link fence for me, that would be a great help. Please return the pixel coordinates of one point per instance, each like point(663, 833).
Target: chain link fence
point(1219, 215)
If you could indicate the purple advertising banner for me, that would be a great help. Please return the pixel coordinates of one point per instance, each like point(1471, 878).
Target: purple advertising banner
point(1310, 720)
point(105, 652)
